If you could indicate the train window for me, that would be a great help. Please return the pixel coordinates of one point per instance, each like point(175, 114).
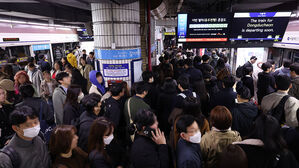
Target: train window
point(296, 56)
point(20, 51)
point(4, 53)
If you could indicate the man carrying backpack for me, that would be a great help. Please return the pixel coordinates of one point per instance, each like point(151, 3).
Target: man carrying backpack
point(240, 69)
point(279, 104)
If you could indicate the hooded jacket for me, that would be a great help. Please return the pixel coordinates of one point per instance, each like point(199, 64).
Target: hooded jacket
point(71, 58)
point(243, 116)
point(96, 87)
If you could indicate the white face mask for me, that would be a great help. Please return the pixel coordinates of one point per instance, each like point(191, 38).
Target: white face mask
point(108, 140)
point(31, 132)
point(196, 138)
point(80, 97)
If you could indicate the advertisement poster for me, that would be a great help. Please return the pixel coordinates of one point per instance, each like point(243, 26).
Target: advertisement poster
point(116, 70)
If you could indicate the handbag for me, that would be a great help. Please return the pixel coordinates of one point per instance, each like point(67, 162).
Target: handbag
point(46, 129)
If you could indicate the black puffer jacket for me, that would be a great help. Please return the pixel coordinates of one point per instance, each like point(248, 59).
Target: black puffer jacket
point(243, 116)
point(5, 127)
point(85, 123)
point(265, 85)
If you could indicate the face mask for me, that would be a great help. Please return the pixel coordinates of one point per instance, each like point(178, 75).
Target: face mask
point(196, 138)
point(32, 132)
point(108, 140)
point(80, 97)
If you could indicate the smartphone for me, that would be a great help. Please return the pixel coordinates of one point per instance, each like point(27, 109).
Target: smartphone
point(148, 132)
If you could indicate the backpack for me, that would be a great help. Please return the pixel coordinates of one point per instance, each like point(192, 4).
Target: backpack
point(13, 155)
point(278, 111)
point(239, 71)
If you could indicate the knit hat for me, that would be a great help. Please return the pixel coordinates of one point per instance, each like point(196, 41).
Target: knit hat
point(7, 84)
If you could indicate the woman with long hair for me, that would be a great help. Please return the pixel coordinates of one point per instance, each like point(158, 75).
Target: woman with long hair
point(265, 146)
point(101, 135)
point(21, 78)
point(84, 69)
point(56, 69)
point(5, 109)
point(72, 104)
point(149, 148)
point(64, 150)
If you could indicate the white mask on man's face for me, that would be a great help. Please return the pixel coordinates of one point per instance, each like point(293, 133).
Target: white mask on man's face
point(196, 138)
point(31, 132)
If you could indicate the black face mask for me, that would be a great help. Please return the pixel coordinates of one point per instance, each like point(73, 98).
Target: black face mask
point(148, 132)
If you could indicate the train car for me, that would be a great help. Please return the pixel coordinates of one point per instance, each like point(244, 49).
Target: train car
point(23, 40)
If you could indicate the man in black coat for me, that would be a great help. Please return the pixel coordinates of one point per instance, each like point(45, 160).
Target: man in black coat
point(205, 67)
point(225, 97)
point(188, 148)
point(250, 62)
point(153, 92)
point(248, 80)
point(113, 110)
point(193, 74)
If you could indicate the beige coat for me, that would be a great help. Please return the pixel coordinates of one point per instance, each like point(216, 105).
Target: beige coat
point(213, 143)
point(291, 106)
point(85, 73)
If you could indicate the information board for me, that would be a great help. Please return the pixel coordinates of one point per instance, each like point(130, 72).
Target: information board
point(203, 27)
point(116, 70)
point(259, 26)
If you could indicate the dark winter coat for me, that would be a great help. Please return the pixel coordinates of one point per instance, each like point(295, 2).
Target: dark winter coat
point(70, 112)
point(97, 160)
point(152, 96)
point(193, 74)
point(166, 103)
point(265, 85)
point(145, 153)
point(258, 157)
point(188, 155)
point(86, 120)
point(36, 103)
point(243, 116)
point(225, 97)
point(248, 82)
point(291, 136)
point(6, 131)
point(78, 79)
point(113, 110)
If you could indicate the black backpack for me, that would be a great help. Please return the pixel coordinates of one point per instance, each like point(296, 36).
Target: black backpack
point(13, 155)
point(278, 111)
point(239, 71)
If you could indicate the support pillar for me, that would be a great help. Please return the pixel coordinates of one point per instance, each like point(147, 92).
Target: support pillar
point(117, 40)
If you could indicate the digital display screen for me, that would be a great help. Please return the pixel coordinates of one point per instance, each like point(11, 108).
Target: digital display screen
point(259, 26)
point(203, 27)
point(83, 35)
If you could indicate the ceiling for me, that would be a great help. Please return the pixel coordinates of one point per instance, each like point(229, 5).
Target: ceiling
point(77, 12)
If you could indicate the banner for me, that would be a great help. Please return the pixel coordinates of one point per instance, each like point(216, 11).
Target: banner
point(118, 54)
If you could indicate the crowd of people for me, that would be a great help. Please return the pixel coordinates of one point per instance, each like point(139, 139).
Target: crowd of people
point(188, 112)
